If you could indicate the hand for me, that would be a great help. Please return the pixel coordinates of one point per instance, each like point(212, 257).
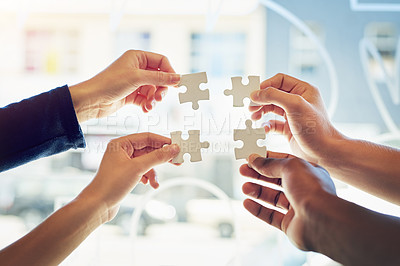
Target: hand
point(306, 126)
point(302, 184)
point(126, 161)
point(137, 77)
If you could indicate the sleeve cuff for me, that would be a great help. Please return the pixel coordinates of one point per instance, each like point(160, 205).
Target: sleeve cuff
point(69, 119)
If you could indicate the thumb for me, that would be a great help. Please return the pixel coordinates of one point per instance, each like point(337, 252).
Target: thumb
point(287, 101)
point(158, 78)
point(147, 161)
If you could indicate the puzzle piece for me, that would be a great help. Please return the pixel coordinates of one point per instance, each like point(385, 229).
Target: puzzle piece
point(249, 136)
point(240, 91)
point(192, 145)
point(193, 92)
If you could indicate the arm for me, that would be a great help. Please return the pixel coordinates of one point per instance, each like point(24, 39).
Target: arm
point(371, 167)
point(137, 77)
point(48, 123)
point(126, 161)
point(37, 127)
point(314, 218)
point(311, 135)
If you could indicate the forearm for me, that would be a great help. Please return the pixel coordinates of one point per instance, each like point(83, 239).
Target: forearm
point(371, 167)
point(53, 240)
point(353, 235)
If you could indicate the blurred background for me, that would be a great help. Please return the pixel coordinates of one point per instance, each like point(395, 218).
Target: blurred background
point(347, 48)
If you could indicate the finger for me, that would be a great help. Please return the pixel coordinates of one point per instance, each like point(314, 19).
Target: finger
point(290, 103)
point(160, 93)
point(270, 108)
point(144, 108)
point(278, 155)
point(145, 150)
point(255, 108)
point(150, 105)
point(158, 62)
point(156, 157)
point(268, 167)
point(268, 215)
point(144, 180)
point(283, 82)
point(136, 98)
point(152, 177)
point(271, 196)
point(148, 91)
point(275, 126)
point(279, 127)
point(245, 170)
point(176, 164)
point(142, 140)
point(157, 78)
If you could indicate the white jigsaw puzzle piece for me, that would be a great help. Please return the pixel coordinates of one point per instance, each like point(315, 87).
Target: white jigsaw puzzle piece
point(240, 91)
point(249, 136)
point(193, 92)
point(192, 145)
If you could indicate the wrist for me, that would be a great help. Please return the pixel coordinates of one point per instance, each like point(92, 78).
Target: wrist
point(85, 104)
point(96, 204)
point(320, 214)
point(333, 146)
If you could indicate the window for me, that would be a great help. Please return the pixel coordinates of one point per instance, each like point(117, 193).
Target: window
point(130, 40)
point(384, 37)
point(51, 51)
point(304, 57)
point(221, 54)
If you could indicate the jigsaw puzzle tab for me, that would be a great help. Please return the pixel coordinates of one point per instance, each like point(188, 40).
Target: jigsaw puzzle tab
point(249, 136)
point(192, 145)
point(193, 92)
point(240, 91)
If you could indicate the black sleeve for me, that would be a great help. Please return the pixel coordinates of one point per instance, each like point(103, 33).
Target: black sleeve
point(40, 126)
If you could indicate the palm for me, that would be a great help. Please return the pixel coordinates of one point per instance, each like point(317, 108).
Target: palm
point(297, 145)
point(293, 227)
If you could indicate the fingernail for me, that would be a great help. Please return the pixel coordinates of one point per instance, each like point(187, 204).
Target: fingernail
point(174, 148)
point(252, 157)
point(175, 78)
point(255, 95)
point(253, 194)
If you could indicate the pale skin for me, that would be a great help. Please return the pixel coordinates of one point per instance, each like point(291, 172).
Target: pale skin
point(316, 218)
point(125, 162)
point(139, 78)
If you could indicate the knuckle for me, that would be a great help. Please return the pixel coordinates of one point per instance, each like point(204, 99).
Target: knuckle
point(113, 145)
point(295, 163)
point(159, 155)
point(130, 52)
point(267, 93)
point(161, 77)
point(297, 102)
